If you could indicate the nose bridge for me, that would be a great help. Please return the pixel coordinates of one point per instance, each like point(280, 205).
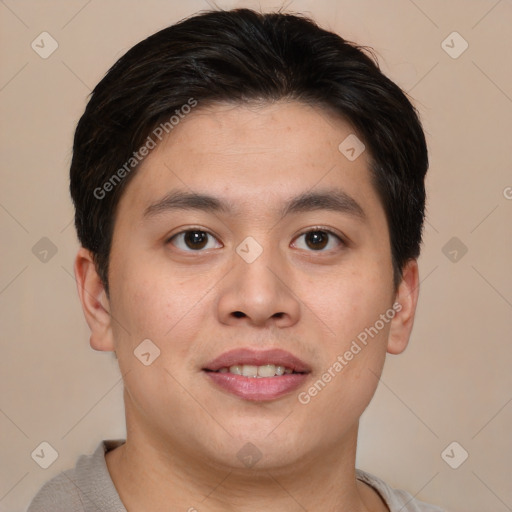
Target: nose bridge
point(255, 290)
point(256, 282)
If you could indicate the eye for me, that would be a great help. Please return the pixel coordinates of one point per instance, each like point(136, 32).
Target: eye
point(194, 240)
point(318, 240)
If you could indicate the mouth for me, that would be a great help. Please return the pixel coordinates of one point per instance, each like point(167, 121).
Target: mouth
point(253, 371)
point(257, 375)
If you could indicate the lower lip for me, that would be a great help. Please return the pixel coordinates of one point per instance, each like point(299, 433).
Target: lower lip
point(258, 388)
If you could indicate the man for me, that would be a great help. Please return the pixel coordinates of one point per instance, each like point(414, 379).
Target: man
point(249, 194)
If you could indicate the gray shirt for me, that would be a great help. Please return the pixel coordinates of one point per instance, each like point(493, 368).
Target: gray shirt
point(88, 488)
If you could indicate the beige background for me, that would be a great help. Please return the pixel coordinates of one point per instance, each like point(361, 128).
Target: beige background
point(454, 382)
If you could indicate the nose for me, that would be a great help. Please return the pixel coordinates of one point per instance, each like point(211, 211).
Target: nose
point(258, 294)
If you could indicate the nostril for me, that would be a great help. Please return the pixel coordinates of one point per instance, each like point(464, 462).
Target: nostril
point(278, 315)
point(238, 314)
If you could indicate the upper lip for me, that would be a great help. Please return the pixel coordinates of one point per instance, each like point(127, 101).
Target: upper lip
point(249, 356)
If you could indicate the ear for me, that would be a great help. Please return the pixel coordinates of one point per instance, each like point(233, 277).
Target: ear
point(94, 301)
point(405, 308)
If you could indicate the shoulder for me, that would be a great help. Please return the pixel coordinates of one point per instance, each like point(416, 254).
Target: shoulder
point(86, 487)
point(57, 495)
point(395, 499)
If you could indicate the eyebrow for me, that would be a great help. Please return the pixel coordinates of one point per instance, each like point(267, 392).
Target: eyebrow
point(331, 199)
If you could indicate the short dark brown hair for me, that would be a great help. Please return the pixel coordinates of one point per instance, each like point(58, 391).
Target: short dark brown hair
point(241, 56)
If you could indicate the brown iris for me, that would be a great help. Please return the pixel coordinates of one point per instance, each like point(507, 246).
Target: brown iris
point(196, 239)
point(316, 239)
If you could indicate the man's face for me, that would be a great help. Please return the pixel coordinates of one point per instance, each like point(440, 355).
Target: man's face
point(289, 252)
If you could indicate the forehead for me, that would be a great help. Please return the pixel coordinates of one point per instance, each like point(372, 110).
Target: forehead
point(254, 153)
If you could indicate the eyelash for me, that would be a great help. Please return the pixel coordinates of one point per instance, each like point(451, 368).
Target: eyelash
point(315, 229)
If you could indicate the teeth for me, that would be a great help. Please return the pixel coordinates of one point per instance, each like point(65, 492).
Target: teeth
point(268, 370)
point(250, 370)
point(237, 369)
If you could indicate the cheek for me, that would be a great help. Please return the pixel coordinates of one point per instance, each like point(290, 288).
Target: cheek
point(148, 302)
point(149, 306)
point(148, 293)
point(354, 355)
point(352, 301)
point(352, 363)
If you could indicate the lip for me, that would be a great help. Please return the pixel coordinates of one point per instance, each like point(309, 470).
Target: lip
point(257, 388)
point(260, 389)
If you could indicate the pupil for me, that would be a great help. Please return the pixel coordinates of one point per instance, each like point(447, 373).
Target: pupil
point(196, 239)
point(316, 239)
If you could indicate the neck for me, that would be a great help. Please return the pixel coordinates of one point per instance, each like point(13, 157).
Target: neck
point(152, 473)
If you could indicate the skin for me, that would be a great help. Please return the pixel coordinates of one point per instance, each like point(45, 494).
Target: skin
point(183, 433)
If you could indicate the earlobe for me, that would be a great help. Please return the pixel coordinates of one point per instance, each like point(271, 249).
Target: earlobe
point(405, 306)
point(95, 303)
